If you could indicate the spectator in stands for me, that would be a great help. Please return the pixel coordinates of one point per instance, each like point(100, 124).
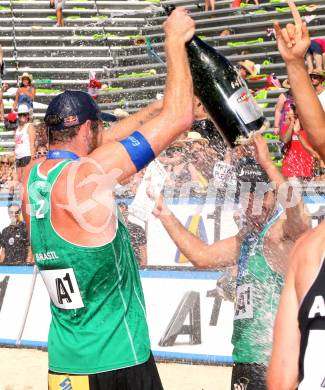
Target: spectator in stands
point(24, 139)
point(119, 113)
point(199, 164)
point(8, 178)
point(7, 167)
point(11, 121)
point(14, 242)
point(25, 93)
point(59, 6)
point(319, 171)
point(315, 55)
point(188, 161)
point(174, 161)
point(246, 68)
point(1, 62)
point(3, 88)
point(200, 154)
point(299, 157)
point(137, 235)
point(41, 134)
point(135, 181)
point(255, 1)
point(226, 32)
point(4, 170)
point(41, 151)
point(283, 106)
point(317, 78)
point(209, 4)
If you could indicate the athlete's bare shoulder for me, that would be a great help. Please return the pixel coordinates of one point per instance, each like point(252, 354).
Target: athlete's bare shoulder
point(306, 257)
point(311, 242)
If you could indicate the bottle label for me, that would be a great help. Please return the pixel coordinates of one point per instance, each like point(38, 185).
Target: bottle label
point(245, 106)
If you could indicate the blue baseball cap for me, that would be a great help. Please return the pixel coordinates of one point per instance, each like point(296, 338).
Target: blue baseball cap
point(73, 108)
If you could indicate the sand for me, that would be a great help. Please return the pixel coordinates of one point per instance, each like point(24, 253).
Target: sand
point(26, 369)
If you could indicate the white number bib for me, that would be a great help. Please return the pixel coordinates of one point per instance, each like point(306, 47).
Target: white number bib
point(244, 302)
point(63, 288)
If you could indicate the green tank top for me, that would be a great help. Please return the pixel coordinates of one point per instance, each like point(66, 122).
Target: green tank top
point(97, 304)
point(257, 296)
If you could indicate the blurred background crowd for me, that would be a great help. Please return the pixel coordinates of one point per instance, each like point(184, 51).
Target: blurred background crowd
point(192, 158)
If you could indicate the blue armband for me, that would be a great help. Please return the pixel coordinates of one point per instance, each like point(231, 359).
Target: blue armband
point(139, 150)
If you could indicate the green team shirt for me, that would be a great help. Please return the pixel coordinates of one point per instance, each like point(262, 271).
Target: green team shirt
point(258, 292)
point(97, 304)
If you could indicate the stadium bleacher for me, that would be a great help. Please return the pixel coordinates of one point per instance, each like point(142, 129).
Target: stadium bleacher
point(100, 35)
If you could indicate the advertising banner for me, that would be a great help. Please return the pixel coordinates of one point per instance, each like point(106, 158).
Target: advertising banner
point(190, 312)
point(209, 221)
point(187, 317)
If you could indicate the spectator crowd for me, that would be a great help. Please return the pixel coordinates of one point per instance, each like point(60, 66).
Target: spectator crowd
point(192, 158)
point(189, 162)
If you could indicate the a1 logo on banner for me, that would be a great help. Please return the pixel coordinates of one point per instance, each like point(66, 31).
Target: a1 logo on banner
point(63, 288)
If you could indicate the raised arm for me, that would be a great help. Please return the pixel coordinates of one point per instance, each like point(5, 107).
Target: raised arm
point(287, 129)
point(277, 113)
point(293, 42)
point(283, 366)
point(177, 112)
point(297, 221)
point(128, 125)
point(223, 253)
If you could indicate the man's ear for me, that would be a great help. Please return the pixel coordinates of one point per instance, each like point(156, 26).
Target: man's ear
point(85, 128)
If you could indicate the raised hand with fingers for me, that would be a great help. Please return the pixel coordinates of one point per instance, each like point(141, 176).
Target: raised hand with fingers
point(179, 25)
point(293, 40)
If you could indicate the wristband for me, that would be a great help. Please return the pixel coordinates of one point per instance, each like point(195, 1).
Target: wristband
point(139, 150)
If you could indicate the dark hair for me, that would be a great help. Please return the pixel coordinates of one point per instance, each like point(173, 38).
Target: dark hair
point(22, 82)
point(66, 135)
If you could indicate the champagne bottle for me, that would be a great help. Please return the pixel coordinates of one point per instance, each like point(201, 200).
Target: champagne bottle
point(223, 92)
